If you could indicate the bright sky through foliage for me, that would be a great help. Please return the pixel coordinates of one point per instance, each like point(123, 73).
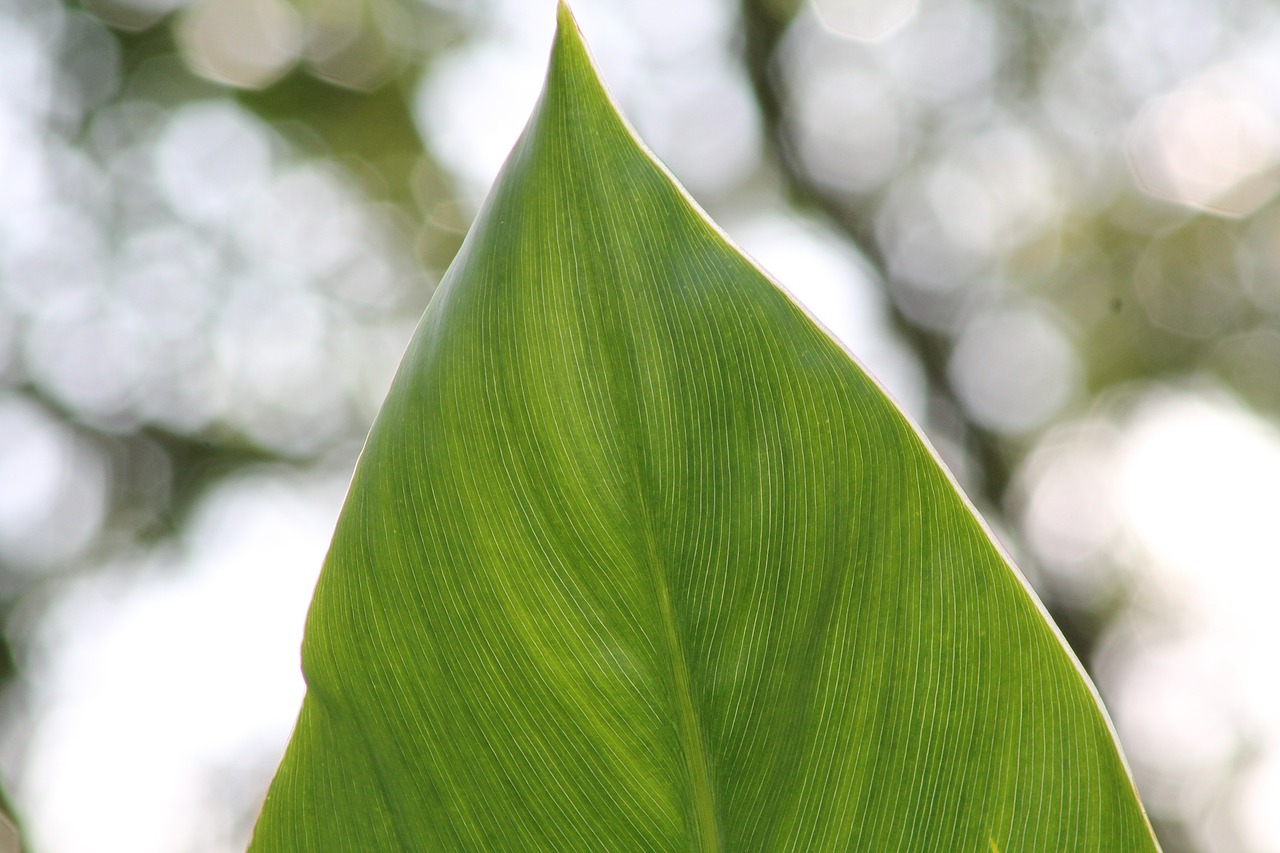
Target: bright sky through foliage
point(1198, 478)
point(160, 681)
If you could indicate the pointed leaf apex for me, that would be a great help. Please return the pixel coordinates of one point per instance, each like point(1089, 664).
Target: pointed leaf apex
point(565, 22)
point(569, 41)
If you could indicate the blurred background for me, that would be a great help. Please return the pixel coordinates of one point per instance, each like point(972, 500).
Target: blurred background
point(1050, 228)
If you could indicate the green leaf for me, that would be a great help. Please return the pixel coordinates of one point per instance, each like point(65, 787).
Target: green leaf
point(638, 558)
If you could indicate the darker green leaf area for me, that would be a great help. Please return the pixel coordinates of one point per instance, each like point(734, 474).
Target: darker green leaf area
point(637, 558)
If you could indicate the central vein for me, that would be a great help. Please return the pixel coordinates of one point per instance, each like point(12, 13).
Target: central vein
point(695, 756)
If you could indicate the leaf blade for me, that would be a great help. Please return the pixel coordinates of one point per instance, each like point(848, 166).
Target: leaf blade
point(637, 558)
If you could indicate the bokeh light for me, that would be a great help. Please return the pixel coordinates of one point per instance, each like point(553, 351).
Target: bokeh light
point(249, 43)
point(1014, 369)
point(865, 20)
point(139, 661)
point(1210, 144)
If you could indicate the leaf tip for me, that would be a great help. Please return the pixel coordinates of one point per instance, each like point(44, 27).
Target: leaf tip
point(568, 39)
point(564, 18)
point(572, 66)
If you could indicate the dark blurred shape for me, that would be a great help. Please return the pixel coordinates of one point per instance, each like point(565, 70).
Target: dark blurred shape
point(1250, 361)
point(10, 837)
point(1188, 280)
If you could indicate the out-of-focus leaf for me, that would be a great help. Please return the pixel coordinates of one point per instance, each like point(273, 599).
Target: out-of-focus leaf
point(638, 558)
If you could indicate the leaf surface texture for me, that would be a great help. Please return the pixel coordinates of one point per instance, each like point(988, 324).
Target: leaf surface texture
point(637, 558)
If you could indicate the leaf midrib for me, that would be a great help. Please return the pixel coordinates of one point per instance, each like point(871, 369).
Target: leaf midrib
point(689, 729)
point(695, 756)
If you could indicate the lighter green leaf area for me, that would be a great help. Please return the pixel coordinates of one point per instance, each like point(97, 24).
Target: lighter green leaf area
point(637, 558)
